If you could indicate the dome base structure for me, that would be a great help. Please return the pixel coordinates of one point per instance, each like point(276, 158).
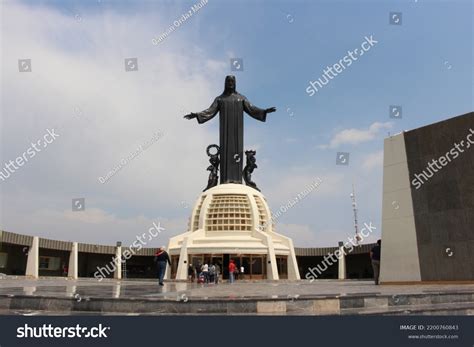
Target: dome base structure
point(233, 222)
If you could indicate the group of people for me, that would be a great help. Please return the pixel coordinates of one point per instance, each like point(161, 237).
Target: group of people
point(210, 273)
point(234, 271)
point(204, 273)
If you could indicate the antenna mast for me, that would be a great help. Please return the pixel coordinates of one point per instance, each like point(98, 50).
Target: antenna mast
point(354, 208)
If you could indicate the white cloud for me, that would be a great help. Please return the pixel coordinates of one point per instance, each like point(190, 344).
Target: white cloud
point(306, 236)
point(373, 160)
point(332, 237)
point(81, 65)
point(302, 235)
point(356, 136)
point(95, 226)
point(297, 179)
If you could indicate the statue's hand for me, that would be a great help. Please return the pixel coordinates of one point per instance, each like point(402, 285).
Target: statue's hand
point(191, 116)
point(270, 110)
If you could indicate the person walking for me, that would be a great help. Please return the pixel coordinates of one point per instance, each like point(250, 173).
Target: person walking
point(191, 273)
point(212, 273)
point(375, 258)
point(198, 271)
point(205, 272)
point(232, 269)
point(161, 258)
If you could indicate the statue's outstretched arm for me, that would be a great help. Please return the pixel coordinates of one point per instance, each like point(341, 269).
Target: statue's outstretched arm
point(205, 115)
point(256, 112)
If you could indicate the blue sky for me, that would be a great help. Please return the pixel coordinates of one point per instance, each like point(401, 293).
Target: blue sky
point(423, 65)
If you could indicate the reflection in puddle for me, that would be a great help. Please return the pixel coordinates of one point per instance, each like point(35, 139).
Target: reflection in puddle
point(116, 291)
point(29, 290)
point(71, 291)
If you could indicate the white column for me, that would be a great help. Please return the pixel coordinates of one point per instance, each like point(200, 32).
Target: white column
point(118, 262)
point(73, 262)
point(341, 262)
point(272, 269)
point(32, 262)
point(182, 271)
point(399, 256)
point(293, 271)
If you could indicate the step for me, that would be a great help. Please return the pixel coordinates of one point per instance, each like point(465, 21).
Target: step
point(456, 308)
point(330, 304)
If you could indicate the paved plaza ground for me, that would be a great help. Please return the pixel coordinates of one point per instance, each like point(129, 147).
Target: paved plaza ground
point(296, 297)
point(61, 287)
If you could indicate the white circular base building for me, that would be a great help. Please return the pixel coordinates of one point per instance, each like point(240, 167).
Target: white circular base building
point(233, 221)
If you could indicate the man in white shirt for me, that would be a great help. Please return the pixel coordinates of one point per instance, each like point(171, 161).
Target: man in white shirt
point(205, 271)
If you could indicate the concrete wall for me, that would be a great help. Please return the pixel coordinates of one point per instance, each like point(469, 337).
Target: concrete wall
point(88, 263)
point(62, 255)
point(141, 267)
point(307, 262)
point(16, 259)
point(444, 204)
point(428, 223)
point(358, 266)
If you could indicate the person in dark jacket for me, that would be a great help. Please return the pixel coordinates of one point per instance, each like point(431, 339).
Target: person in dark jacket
point(198, 271)
point(375, 258)
point(161, 258)
point(191, 273)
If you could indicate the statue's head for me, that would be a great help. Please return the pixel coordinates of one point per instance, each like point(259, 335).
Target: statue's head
point(229, 86)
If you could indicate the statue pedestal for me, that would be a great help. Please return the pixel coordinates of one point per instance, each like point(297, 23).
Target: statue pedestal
point(233, 221)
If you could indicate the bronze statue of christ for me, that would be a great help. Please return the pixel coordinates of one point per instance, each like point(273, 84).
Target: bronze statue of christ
point(231, 106)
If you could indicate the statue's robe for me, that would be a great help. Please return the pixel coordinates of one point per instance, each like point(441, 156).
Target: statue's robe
point(231, 109)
